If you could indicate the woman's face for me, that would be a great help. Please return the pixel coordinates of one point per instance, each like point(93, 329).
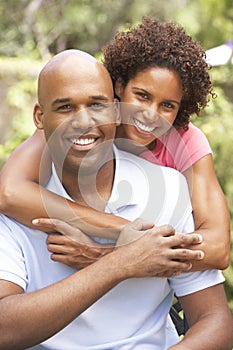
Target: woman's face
point(149, 104)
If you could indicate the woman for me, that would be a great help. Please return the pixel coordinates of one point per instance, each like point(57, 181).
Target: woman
point(161, 78)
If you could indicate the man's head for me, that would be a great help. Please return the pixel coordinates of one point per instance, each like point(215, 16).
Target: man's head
point(75, 109)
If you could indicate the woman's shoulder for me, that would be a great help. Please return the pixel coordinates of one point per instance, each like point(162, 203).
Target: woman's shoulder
point(192, 137)
point(192, 131)
point(182, 148)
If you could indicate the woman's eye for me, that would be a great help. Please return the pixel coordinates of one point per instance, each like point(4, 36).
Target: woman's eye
point(143, 96)
point(168, 105)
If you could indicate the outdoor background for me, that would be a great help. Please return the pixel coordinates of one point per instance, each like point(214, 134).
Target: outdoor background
point(32, 31)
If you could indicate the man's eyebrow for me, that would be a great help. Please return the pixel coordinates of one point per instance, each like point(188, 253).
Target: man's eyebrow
point(67, 99)
point(99, 97)
point(61, 100)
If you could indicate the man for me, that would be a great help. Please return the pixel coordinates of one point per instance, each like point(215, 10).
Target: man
point(47, 305)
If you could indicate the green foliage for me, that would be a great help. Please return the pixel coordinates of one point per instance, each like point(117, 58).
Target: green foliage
point(217, 125)
point(20, 96)
point(210, 21)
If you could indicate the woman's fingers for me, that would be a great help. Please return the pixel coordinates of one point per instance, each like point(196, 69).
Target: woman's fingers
point(65, 229)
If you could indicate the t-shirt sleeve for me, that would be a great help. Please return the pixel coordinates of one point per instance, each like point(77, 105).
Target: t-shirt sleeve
point(193, 146)
point(188, 283)
point(12, 265)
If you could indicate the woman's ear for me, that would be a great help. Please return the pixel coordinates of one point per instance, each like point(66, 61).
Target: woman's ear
point(38, 116)
point(117, 111)
point(119, 88)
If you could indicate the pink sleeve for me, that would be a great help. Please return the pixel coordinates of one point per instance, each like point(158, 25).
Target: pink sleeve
point(179, 149)
point(193, 146)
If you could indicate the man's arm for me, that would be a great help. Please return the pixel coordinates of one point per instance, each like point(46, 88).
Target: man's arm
point(172, 256)
point(210, 320)
point(27, 319)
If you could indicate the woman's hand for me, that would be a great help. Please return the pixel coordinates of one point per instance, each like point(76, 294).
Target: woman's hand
point(73, 247)
point(170, 247)
point(74, 254)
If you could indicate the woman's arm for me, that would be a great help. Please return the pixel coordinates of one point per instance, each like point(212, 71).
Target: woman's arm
point(210, 214)
point(22, 198)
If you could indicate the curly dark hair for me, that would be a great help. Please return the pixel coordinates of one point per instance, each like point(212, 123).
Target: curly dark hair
point(156, 44)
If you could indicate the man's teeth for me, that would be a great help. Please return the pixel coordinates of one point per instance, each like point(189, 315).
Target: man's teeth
point(83, 142)
point(143, 127)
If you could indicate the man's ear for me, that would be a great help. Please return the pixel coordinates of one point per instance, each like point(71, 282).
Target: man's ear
point(119, 88)
point(38, 116)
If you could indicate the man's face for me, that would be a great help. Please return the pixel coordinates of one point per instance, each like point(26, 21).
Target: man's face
point(78, 116)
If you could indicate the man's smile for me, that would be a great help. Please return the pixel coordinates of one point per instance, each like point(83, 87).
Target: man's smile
point(83, 142)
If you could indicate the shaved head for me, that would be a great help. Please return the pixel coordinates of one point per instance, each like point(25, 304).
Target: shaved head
point(64, 63)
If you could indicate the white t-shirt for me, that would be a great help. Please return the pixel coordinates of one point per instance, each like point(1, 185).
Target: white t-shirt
point(133, 315)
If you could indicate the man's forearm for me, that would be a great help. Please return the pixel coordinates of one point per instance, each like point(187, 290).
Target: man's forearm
point(208, 334)
point(210, 319)
point(29, 319)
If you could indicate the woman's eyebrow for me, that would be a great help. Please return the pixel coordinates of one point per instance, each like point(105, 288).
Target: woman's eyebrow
point(146, 92)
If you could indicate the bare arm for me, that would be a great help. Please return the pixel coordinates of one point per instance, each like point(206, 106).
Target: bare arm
point(54, 307)
point(22, 198)
point(210, 320)
point(170, 258)
point(17, 193)
point(210, 214)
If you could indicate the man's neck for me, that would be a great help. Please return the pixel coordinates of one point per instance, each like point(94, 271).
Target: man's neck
point(93, 189)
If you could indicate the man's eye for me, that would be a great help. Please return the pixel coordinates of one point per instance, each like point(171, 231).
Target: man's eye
point(65, 108)
point(98, 106)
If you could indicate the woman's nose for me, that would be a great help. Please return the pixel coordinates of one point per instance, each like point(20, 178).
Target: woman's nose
point(151, 115)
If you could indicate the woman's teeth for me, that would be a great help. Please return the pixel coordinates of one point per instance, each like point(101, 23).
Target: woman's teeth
point(143, 127)
point(83, 142)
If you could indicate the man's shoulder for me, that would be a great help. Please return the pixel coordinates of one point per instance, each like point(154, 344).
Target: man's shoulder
point(164, 190)
point(133, 161)
point(5, 219)
point(8, 226)
point(9, 223)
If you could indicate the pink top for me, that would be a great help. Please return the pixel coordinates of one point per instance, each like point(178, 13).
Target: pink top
point(179, 149)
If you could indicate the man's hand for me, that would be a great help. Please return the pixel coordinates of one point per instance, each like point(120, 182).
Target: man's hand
point(170, 255)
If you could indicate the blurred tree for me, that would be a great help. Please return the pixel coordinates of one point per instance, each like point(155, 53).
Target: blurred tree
point(209, 21)
point(42, 27)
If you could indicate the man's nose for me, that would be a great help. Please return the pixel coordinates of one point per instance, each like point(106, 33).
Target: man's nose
point(83, 119)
